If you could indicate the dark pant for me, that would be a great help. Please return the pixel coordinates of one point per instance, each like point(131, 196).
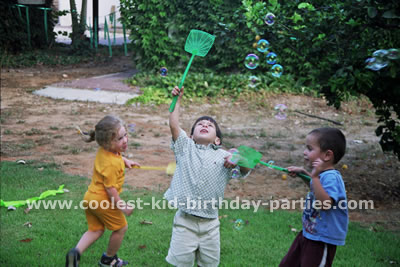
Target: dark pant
point(308, 253)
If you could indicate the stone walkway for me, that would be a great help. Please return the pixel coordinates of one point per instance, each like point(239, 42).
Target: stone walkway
point(109, 89)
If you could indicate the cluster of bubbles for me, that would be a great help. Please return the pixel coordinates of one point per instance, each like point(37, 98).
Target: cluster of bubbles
point(252, 61)
point(163, 71)
point(381, 58)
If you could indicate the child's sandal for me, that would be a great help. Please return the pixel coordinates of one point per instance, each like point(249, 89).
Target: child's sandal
point(111, 261)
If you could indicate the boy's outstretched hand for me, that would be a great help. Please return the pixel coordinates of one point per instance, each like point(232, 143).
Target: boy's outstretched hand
point(228, 163)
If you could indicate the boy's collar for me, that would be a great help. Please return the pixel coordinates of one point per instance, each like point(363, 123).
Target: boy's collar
point(213, 146)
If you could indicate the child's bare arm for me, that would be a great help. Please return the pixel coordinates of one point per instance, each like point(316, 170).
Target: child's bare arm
point(116, 201)
point(174, 115)
point(130, 163)
point(319, 191)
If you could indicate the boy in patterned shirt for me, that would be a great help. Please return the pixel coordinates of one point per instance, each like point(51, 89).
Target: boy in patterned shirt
point(202, 173)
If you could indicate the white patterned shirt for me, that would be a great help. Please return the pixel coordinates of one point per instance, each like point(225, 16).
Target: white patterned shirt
point(200, 177)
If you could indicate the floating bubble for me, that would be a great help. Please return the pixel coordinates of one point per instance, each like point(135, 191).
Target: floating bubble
point(375, 63)
point(370, 61)
point(280, 110)
point(131, 127)
point(271, 58)
point(238, 224)
point(251, 61)
point(276, 70)
point(269, 19)
point(371, 64)
point(380, 54)
point(393, 54)
point(254, 81)
point(163, 71)
point(235, 173)
point(262, 45)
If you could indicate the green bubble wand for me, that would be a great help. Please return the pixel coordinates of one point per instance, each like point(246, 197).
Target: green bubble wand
point(249, 158)
point(198, 43)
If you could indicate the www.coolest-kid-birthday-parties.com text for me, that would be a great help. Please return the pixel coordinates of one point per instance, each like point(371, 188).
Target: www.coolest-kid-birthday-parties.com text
point(199, 204)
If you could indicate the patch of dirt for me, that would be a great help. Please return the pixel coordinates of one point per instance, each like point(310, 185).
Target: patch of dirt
point(38, 128)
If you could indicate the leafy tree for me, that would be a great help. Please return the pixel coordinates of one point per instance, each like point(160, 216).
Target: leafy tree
point(323, 43)
point(326, 43)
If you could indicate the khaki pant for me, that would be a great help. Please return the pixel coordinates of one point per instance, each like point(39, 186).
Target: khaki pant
point(194, 238)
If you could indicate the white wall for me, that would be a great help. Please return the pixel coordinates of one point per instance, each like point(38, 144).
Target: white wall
point(104, 10)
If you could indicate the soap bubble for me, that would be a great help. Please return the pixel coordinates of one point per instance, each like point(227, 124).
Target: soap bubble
point(375, 64)
point(262, 45)
point(163, 71)
point(131, 127)
point(269, 19)
point(235, 173)
point(251, 61)
point(254, 81)
point(238, 224)
point(380, 54)
point(280, 112)
point(271, 58)
point(277, 70)
point(393, 54)
point(371, 64)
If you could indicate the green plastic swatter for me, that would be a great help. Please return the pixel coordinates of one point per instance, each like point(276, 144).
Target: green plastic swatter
point(249, 158)
point(198, 43)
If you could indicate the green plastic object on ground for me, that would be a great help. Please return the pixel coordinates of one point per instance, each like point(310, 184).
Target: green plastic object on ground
point(198, 43)
point(19, 203)
point(250, 157)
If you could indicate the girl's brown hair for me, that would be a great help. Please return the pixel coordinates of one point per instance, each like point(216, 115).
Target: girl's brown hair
point(105, 131)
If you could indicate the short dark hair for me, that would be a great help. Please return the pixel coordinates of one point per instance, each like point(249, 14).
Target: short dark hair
point(331, 139)
point(208, 118)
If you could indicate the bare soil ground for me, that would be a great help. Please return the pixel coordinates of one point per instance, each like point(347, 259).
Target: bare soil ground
point(42, 129)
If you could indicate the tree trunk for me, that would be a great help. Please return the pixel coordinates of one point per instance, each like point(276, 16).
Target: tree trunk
point(78, 22)
point(82, 23)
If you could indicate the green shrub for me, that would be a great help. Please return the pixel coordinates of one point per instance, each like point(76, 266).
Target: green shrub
point(199, 86)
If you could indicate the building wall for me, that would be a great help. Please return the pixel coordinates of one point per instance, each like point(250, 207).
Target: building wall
point(105, 8)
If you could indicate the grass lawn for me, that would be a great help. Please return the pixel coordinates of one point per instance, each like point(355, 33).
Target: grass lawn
point(263, 241)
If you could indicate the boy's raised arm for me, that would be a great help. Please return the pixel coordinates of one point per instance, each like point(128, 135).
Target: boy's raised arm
point(174, 115)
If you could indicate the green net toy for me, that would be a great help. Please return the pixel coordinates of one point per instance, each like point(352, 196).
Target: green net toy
point(249, 158)
point(198, 43)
